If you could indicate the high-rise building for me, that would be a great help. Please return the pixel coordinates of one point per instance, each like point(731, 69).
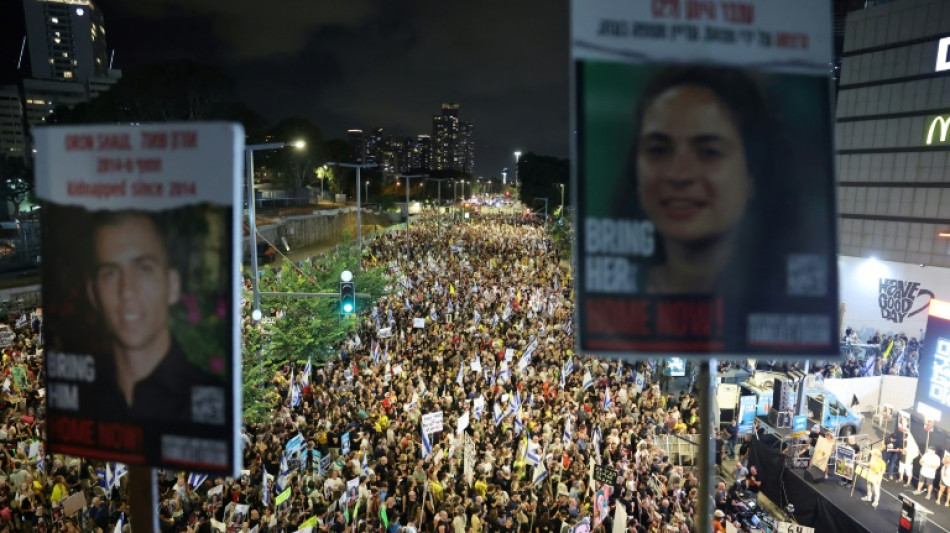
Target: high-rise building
point(12, 137)
point(66, 40)
point(355, 139)
point(452, 144)
point(893, 133)
point(420, 152)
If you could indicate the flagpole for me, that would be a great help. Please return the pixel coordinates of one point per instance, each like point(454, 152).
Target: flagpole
point(705, 460)
point(142, 498)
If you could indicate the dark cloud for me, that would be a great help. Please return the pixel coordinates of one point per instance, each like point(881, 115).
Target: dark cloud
point(365, 63)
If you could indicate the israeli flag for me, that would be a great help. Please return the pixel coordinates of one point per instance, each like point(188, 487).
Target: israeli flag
point(499, 414)
point(115, 473)
point(411, 406)
point(494, 376)
point(588, 379)
point(526, 358)
point(459, 379)
point(434, 316)
point(283, 474)
point(195, 480)
point(294, 393)
point(408, 305)
point(540, 473)
point(479, 405)
point(531, 456)
point(514, 404)
point(506, 313)
point(568, 328)
point(307, 370)
point(422, 387)
point(596, 440)
point(568, 437)
point(639, 381)
point(265, 488)
point(869, 366)
point(365, 464)
point(568, 367)
point(505, 374)
point(477, 317)
point(619, 371)
point(386, 353)
point(426, 446)
point(607, 402)
point(119, 524)
point(519, 425)
point(494, 320)
point(375, 351)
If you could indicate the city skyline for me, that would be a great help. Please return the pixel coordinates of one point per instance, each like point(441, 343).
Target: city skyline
point(361, 65)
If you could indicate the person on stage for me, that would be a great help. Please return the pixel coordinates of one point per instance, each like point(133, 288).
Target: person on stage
point(944, 479)
point(929, 463)
point(876, 467)
point(854, 446)
point(906, 465)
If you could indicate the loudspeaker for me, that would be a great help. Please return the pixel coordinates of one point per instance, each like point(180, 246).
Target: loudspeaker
point(814, 474)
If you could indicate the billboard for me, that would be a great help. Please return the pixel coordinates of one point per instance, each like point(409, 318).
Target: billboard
point(703, 175)
point(932, 400)
point(140, 284)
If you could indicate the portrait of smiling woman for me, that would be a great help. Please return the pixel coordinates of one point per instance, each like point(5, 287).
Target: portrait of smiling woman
point(705, 145)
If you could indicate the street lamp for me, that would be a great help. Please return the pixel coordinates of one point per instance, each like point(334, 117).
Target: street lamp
point(517, 157)
point(359, 206)
point(408, 178)
point(252, 212)
point(367, 190)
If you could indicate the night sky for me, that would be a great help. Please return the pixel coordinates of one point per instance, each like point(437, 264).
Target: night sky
point(365, 63)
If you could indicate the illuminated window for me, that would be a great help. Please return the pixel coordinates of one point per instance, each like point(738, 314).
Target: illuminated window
point(67, 74)
point(55, 20)
point(56, 40)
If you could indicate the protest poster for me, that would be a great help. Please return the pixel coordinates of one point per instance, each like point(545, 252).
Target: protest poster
point(418, 323)
point(432, 422)
point(352, 490)
point(282, 504)
point(746, 414)
point(702, 129)
point(345, 444)
point(73, 503)
point(238, 517)
point(601, 505)
point(844, 462)
point(152, 211)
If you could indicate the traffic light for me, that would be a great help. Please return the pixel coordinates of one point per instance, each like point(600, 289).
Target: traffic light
point(347, 298)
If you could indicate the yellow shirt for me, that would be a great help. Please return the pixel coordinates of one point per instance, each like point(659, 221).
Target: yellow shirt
point(876, 469)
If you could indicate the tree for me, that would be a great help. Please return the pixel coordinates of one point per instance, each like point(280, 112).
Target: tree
point(16, 184)
point(180, 90)
point(538, 175)
point(310, 327)
point(295, 168)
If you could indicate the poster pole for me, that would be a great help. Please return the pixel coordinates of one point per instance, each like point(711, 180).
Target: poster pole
point(142, 499)
point(705, 463)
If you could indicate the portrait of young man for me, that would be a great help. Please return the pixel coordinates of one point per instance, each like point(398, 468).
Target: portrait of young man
point(132, 282)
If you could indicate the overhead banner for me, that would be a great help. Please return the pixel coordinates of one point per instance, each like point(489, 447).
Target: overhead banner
point(141, 225)
point(703, 175)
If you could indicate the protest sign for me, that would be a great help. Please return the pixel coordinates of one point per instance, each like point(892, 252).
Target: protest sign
point(432, 422)
point(116, 196)
point(680, 251)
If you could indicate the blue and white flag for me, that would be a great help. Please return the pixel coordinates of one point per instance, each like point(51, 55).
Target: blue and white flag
point(519, 424)
point(375, 352)
point(433, 315)
point(568, 328)
point(265, 488)
point(506, 313)
point(568, 367)
point(526, 357)
point(114, 474)
point(505, 373)
point(619, 371)
point(294, 393)
point(596, 440)
point(426, 445)
point(307, 370)
point(389, 314)
point(283, 474)
point(494, 320)
point(540, 473)
point(869, 366)
point(568, 436)
point(563, 380)
point(477, 317)
point(639, 380)
point(414, 404)
point(607, 402)
point(408, 305)
point(479, 405)
point(494, 376)
point(422, 387)
point(365, 464)
point(499, 414)
point(532, 456)
point(386, 353)
point(588, 379)
point(461, 376)
point(119, 524)
point(195, 480)
point(514, 404)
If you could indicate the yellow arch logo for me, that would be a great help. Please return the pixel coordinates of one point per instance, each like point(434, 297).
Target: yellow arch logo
point(944, 126)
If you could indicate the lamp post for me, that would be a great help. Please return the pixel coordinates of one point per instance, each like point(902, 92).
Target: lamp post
point(359, 207)
point(367, 190)
point(517, 158)
point(252, 213)
point(407, 178)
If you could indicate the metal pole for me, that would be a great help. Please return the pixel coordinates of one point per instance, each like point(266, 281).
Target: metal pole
point(407, 217)
point(142, 498)
point(359, 223)
point(252, 225)
point(705, 461)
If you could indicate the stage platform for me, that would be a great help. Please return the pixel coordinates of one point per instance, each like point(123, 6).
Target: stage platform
point(828, 507)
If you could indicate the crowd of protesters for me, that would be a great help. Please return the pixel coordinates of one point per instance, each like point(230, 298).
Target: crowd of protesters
point(879, 355)
point(476, 324)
